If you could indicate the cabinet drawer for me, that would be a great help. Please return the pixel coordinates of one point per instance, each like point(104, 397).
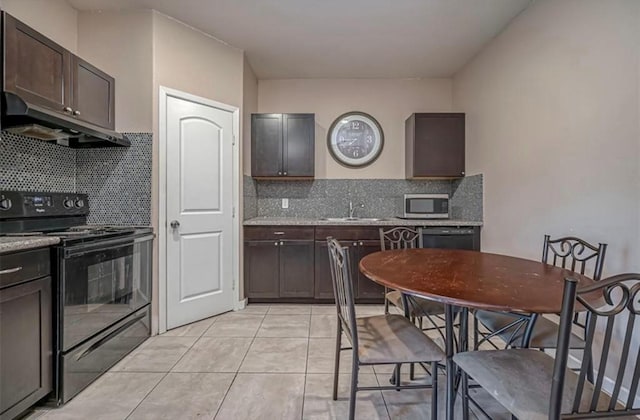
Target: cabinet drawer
point(257, 233)
point(24, 266)
point(348, 232)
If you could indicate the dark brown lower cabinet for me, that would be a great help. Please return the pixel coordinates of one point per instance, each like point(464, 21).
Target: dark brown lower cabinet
point(25, 346)
point(279, 269)
point(296, 269)
point(367, 289)
point(286, 264)
point(291, 263)
point(261, 269)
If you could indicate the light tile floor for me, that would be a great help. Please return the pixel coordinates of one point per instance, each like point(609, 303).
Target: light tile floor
point(264, 362)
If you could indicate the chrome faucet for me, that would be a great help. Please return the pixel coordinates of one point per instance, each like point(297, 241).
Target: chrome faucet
point(352, 209)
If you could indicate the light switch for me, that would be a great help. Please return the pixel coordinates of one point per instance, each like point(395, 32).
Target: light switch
point(285, 203)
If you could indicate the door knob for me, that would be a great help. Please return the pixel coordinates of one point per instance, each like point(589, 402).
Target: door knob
point(174, 224)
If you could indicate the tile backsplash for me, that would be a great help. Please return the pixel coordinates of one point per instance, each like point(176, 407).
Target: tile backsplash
point(117, 180)
point(34, 165)
point(372, 197)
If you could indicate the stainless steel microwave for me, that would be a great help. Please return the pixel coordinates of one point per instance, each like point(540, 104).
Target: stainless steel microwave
point(425, 206)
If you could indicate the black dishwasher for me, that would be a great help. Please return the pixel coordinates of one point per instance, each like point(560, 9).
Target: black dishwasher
point(451, 237)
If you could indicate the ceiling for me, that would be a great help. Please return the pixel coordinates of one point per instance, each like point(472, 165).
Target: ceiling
point(342, 38)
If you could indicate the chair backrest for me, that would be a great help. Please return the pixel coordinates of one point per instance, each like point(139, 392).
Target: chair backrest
point(616, 312)
point(343, 288)
point(400, 238)
point(574, 254)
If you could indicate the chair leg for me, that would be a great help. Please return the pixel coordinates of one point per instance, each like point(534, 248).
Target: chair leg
point(397, 378)
point(412, 371)
point(475, 332)
point(354, 386)
point(465, 396)
point(434, 390)
point(336, 369)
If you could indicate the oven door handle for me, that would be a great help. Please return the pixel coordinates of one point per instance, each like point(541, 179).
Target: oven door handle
point(109, 336)
point(80, 250)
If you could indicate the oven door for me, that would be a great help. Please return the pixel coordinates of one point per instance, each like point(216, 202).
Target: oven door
point(100, 284)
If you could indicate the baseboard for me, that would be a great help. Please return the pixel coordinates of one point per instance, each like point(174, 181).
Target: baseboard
point(608, 385)
point(240, 305)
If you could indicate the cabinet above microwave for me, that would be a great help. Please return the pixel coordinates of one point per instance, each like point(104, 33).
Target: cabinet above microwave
point(435, 145)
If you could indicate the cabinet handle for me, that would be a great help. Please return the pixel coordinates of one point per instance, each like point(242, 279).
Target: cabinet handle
point(361, 243)
point(355, 244)
point(279, 173)
point(462, 173)
point(284, 173)
point(276, 243)
point(67, 109)
point(76, 112)
point(281, 243)
point(278, 233)
point(11, 270)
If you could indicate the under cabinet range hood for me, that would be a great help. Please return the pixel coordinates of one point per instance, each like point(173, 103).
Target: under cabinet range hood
point(20, 117)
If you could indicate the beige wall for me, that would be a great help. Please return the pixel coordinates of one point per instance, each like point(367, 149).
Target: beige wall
point(55, 19)
point(552, 122)
point(249, 106)
point(390, 101)
point(120, 43)
point(193, 62)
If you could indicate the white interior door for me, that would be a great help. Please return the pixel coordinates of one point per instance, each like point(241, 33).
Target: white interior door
point(199, 205)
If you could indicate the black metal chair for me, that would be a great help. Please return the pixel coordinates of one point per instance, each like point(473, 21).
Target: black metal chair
point(406, 238)
point(571, 253)
point(532, 385)
point(416, 308)
point(376, 340)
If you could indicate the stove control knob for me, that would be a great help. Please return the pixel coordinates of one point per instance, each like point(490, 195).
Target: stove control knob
point(79, 203)
point(5, 204)
point(68, 203)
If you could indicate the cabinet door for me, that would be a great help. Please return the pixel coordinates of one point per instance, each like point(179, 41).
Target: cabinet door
point(26, 346)
point(266, 145)
point(299, 145)
point(323, 281)
point(93, 94)
point(35, 68)
point(261, 269)
point(367, 289)
point(439, 145)
point(296, 268)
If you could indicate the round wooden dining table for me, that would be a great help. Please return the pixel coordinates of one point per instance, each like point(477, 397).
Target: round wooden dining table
point(470, 279)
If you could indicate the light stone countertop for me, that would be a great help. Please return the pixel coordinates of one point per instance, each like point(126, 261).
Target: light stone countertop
point(20, 243)
point(388, 221)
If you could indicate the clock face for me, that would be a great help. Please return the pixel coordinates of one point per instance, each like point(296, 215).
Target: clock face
point(355, 139)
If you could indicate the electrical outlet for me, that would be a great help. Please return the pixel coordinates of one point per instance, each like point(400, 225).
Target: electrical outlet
point(285, 203)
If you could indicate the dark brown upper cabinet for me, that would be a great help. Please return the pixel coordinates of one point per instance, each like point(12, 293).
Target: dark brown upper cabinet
point(45, 74)
point(93, 98)
point(282, 145)
point(434, 145)
point(36, 68)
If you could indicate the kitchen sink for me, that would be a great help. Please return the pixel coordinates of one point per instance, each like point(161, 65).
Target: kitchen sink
point(351, 219)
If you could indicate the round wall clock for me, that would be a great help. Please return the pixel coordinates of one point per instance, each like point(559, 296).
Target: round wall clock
point(355, 139)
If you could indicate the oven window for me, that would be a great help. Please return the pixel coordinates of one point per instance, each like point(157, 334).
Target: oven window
point(103, 286)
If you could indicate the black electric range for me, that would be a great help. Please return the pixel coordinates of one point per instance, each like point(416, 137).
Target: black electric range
point(102, 283)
